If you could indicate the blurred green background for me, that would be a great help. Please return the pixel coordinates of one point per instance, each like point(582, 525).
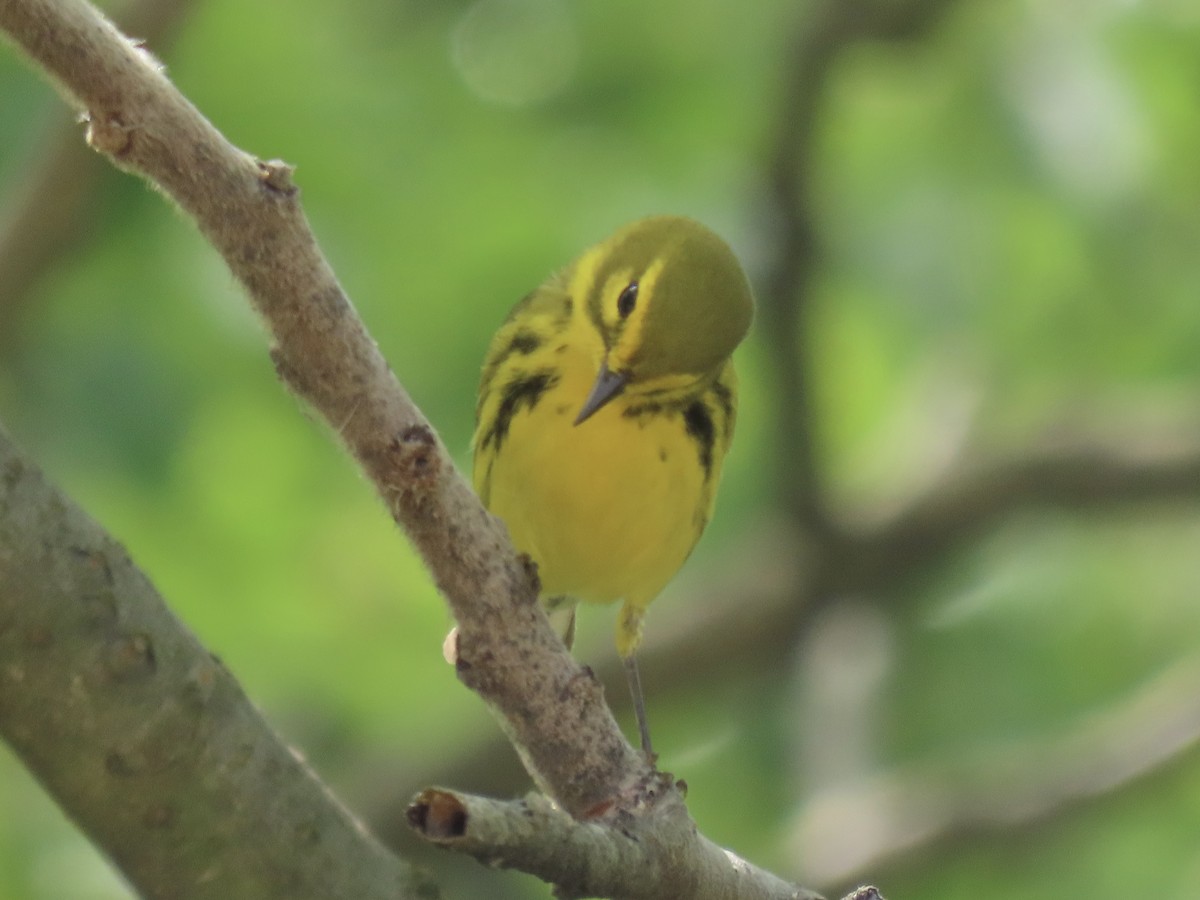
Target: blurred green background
point(1008, 208)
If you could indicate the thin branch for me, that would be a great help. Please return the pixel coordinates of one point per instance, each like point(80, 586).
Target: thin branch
point(144, 737)
point(49, 212)
point(42, 218)
point(964, 508)
point(823, 34)
point(1011, 788)
point(784, 306)
point(533, 835)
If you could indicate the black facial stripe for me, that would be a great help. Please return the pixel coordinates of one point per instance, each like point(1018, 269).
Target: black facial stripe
point(524, 390)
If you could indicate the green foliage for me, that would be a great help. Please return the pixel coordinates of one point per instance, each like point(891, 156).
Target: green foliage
point(1008, 209)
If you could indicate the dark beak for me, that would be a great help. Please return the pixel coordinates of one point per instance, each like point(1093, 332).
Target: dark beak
point(608, 385)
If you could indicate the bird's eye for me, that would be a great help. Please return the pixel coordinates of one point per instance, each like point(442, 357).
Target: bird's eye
point(628, 300)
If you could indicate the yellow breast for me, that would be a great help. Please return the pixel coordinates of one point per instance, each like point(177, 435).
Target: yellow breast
point(609, 509)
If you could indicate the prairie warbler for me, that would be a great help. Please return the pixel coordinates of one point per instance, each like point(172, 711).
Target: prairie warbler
point(606, 408)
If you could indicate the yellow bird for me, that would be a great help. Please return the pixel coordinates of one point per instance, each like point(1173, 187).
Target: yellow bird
point(606, 408)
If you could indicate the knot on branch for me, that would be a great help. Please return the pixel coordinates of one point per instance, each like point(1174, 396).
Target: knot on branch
point(437, 815)
point(276, 175)
point(108, 134)
point(415, 459)
point(130, 657)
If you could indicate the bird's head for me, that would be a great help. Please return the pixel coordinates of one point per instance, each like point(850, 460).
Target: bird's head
point(670, 302)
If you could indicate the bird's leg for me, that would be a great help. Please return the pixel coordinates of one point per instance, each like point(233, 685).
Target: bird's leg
point(629, 636)
point(639, 706)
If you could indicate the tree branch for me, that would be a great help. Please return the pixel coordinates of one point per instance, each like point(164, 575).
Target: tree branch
point(144, 737)
point(1013, 788)
point(823, 33)
point(969, 505)
point(588, 860)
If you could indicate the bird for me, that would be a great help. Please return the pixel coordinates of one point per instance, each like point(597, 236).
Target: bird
point(606, 408)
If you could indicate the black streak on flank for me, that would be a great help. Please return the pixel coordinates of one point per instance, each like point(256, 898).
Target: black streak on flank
point(524, 391)
point(699, 424)
point(724, 397)
point(524, 342)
